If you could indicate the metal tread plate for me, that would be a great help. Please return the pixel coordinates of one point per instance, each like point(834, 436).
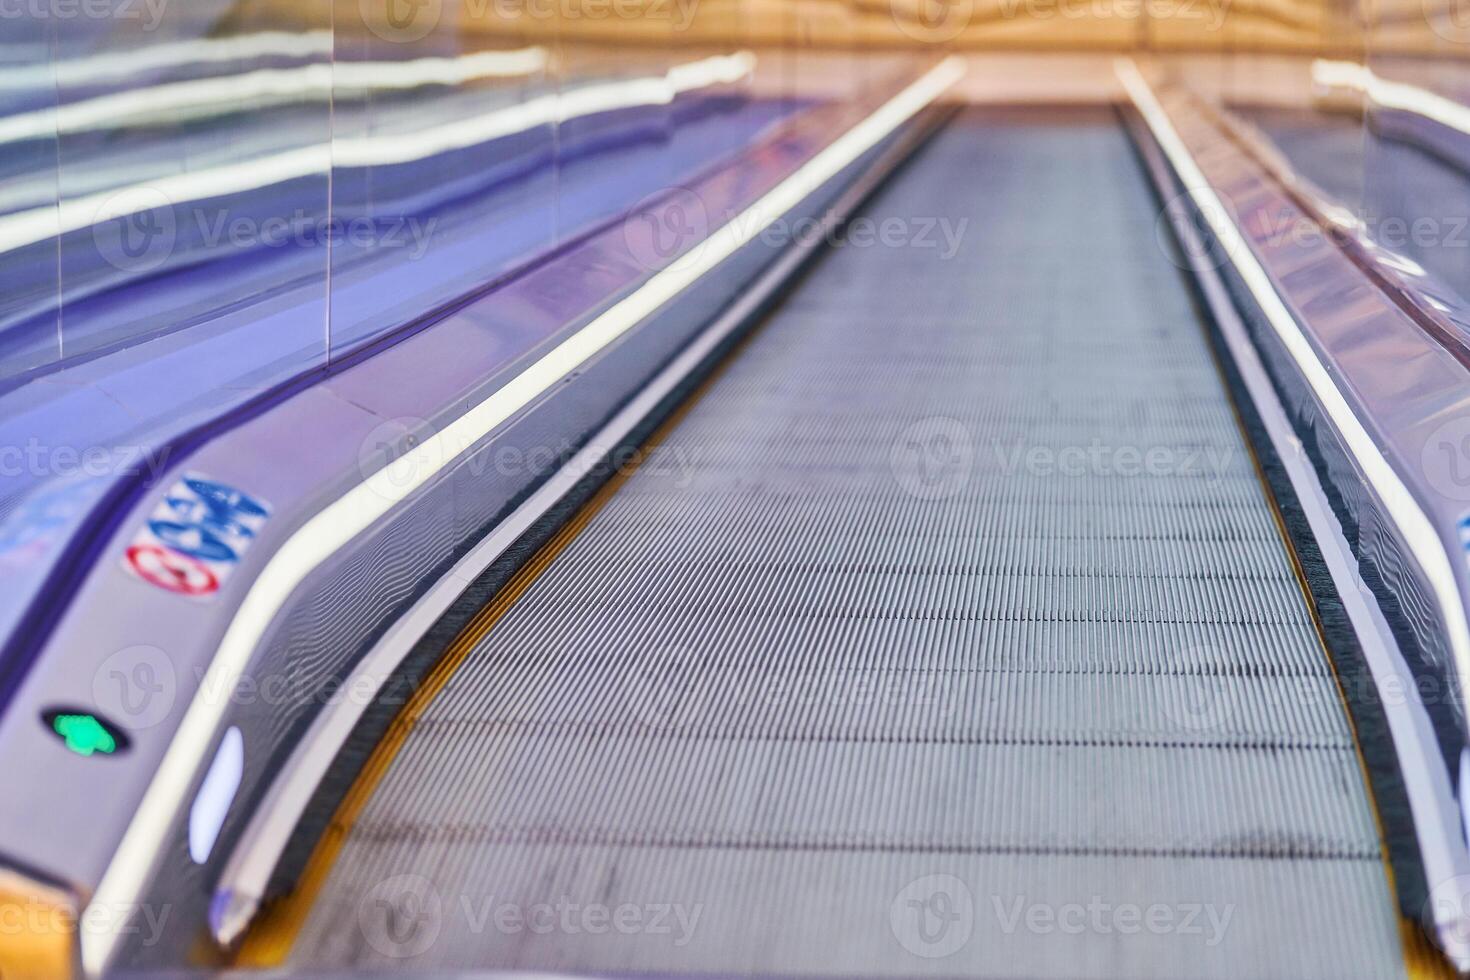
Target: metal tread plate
point(949, 633)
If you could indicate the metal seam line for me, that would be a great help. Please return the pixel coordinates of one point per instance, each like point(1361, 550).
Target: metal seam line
point(1411, 521)
point(327, 532)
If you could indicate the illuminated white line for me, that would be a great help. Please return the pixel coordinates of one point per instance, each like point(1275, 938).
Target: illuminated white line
point(1435, 811)
point(78, 71)
point(1413, 524)
point(43, 223)
point(1392, 95)
point(198, 98)
point(256, 853)
point(336, 525)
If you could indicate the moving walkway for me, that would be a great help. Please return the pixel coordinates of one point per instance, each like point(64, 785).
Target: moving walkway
point(955, 593)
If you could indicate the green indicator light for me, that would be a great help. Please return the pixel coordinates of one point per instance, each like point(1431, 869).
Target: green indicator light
point(84, 734)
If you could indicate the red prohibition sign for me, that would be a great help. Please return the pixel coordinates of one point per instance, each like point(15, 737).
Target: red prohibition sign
point(170, 570)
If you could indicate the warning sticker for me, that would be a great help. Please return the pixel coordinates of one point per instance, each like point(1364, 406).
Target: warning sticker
point(195, 536)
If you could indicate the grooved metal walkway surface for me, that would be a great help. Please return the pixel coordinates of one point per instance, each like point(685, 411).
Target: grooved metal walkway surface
point(949, 633)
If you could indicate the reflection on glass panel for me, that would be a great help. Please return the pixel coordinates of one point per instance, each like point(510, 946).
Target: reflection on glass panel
point(711, 117)
point(443, 150)
point(717, 27)
point(615, 126)
point(1280, 101)
point(824, 38)
point(1323, 139)
point(193, 186)
point(161, 250)
point(774, 24)
point(1371, 118)
point(29, 280)
point(1416, 91)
